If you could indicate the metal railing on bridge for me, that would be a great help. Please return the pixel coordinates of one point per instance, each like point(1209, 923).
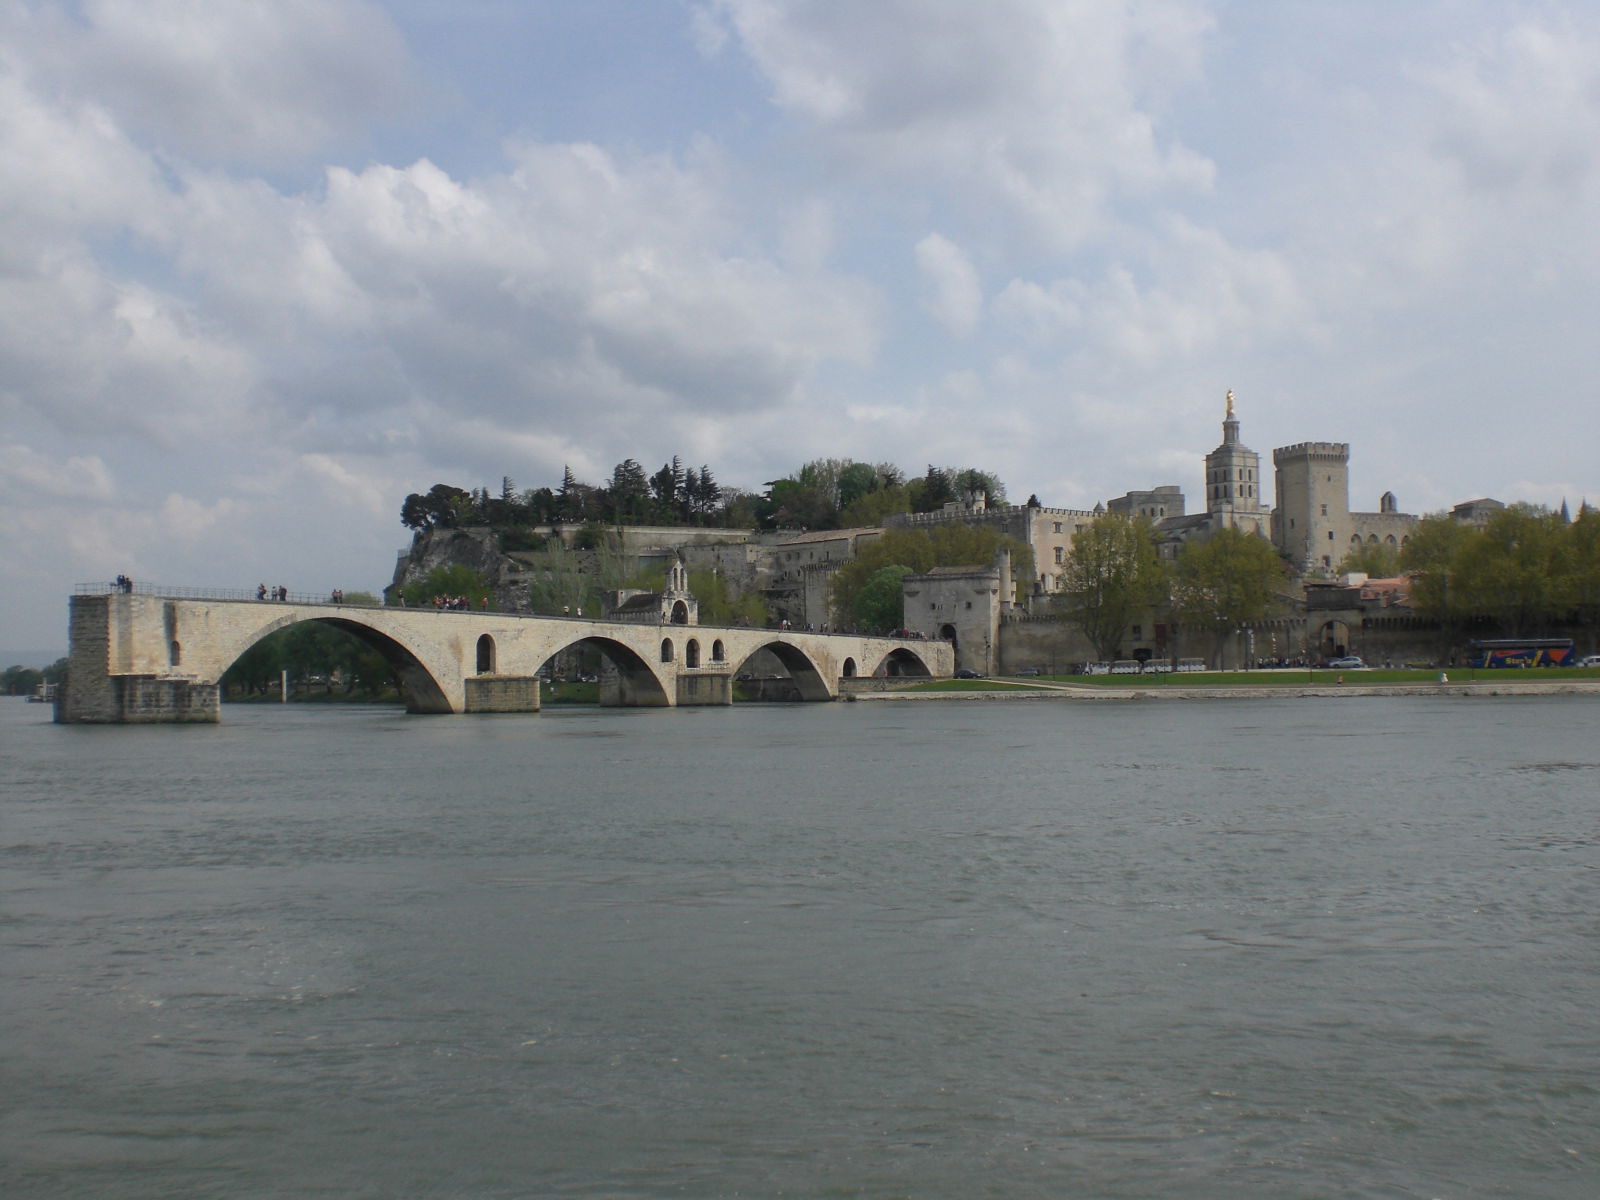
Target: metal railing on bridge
point(168, 592)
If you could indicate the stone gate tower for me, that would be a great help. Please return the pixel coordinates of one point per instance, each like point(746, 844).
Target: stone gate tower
point(1233, 482)
point(1312, 525)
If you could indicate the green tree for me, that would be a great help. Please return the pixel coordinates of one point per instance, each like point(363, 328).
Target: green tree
point(1433, 558)
point(1226, 581)
point(566, 581)
point(442, 505)
point(720, 605)
point(667, 487)
point(314, 654)
point(21, 681)
point(856, 480)
point(973, 480)
point(1372, 559)
point(257, 669)
point(808, 499)
point(449, 581)
point(1583, 558)
point(1113, 575)
point(945, 545)
point(872, 507)
point(880, 603)
point(628, 492)
point(932, 492)
point(1515, 570)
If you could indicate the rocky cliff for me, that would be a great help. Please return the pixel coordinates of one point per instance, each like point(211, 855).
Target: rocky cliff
point(475, 548)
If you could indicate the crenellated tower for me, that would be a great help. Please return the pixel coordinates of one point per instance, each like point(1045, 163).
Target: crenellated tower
point(1311, 525)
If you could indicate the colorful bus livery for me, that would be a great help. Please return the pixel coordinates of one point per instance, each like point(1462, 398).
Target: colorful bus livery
point(1521, 652)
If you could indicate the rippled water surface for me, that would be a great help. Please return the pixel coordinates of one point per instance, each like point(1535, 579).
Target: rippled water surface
point(1311, 948)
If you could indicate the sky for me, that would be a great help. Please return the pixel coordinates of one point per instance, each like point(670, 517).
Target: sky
point(267, 266)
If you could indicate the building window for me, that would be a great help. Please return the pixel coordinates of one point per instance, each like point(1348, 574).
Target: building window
point(1138, 632)
point(1060, 556)
point(1324, 510)
point(1058, 526)
point(1330, 535)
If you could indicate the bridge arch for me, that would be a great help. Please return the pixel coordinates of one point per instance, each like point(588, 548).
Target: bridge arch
point(691, 653)
point(632, 681)
point(902, 662)
point(808, 679)
point(419, 681)
point(486, 655)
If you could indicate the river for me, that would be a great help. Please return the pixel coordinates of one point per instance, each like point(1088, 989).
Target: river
point(1340, 947)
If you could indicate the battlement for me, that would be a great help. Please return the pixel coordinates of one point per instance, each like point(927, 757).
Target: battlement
point(992, 514)
point(1312, 451)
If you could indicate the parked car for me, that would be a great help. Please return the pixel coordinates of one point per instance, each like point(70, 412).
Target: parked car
point(967, 673)
point(1591, 660)
point(1348, 663)
point(1028, 672)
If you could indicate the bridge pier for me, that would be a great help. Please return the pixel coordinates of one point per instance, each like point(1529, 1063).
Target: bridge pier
point(138, 691)
point(502, 694)
point(705, 688)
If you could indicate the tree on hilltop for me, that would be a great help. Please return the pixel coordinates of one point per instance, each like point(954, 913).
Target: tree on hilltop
point(442, 506)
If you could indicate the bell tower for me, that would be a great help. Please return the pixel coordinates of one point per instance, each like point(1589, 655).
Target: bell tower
point(1233, 481)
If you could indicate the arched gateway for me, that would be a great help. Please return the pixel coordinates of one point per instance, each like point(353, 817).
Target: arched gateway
point(126, 664)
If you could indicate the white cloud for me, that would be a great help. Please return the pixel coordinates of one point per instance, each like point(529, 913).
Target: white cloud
point(951, 294)
point(96, 356)
point(27, 475)
point(1519, 112)
point(1048, 107)
point(230, 80)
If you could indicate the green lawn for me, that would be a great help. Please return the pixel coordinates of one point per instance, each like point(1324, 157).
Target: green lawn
point(1315, 677)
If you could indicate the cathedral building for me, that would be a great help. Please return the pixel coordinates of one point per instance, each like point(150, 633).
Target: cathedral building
point(1309, 522)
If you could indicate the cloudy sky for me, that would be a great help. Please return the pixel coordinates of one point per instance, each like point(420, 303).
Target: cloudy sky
point(269, 265)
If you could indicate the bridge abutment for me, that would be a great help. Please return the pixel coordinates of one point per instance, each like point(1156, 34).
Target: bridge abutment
point(114, 680)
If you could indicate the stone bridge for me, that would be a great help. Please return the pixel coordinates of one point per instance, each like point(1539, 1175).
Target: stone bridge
point(159, 656)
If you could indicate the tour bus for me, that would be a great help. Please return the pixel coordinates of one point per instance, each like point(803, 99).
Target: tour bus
point(1520, 652)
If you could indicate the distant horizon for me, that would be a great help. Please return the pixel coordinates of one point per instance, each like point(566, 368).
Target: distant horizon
point(36, 659)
